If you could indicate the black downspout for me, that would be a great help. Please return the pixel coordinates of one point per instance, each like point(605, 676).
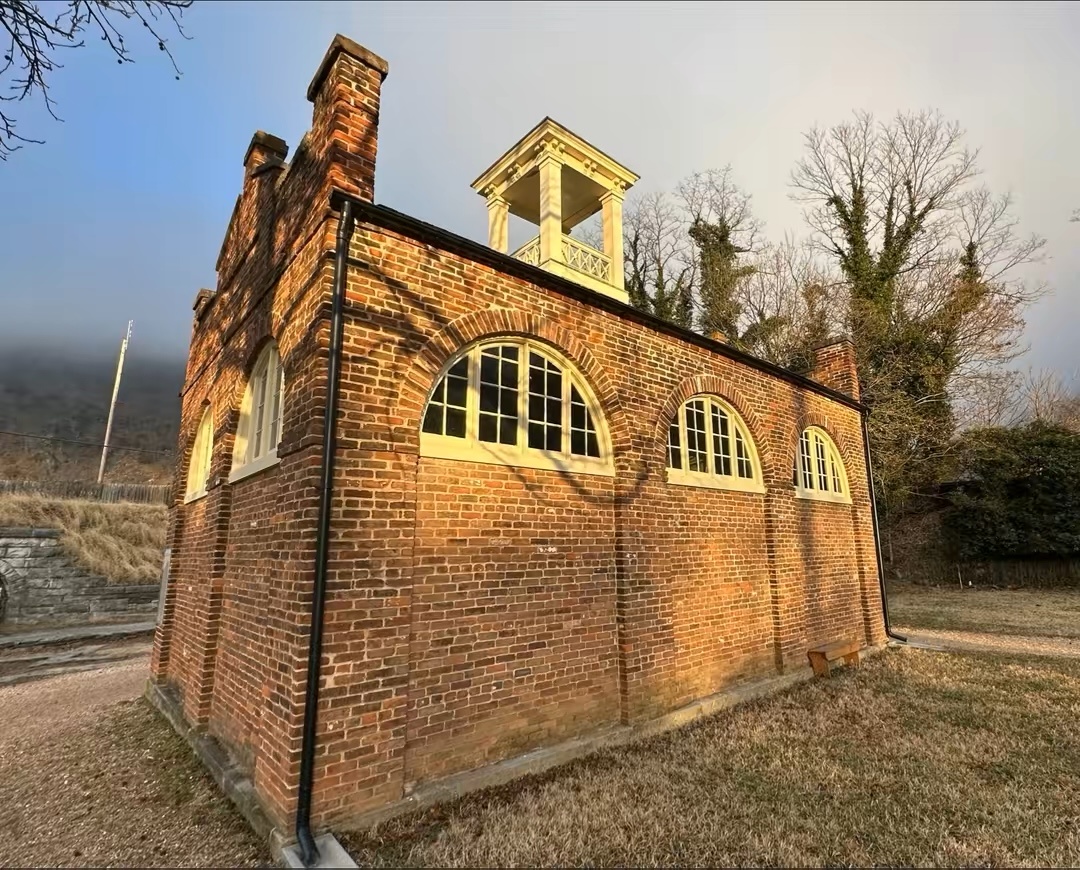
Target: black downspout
point(309, 853)
point(877, 533)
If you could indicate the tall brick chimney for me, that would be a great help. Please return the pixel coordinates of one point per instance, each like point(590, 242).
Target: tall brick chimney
point(835, 366)
point(265, 150)
point(345, 122)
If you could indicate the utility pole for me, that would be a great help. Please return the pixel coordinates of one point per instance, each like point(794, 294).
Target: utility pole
point(112, 404)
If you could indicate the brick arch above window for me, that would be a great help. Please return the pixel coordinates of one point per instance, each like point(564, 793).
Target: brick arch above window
point(711, 385)
point(850, 452)
point(237, 364)
point(200, 455)
point(710, 446)
point(494, 323)
point(514, 400)
point(258, 428)
point(818, 470)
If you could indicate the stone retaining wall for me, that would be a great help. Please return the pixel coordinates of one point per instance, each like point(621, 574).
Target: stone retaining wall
point(39, 583)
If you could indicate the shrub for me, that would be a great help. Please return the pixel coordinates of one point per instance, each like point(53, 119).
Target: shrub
point(1020, 494)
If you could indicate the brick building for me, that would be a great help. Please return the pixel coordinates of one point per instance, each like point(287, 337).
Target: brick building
point(548, 515)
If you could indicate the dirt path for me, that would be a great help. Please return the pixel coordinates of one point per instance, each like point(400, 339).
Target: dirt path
point(977, 641)
point(20, 664)
point(90, 775)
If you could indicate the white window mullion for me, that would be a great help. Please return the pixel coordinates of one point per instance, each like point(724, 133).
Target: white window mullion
point(472, 395)
point(564, 413)
point(523, 397)
point(684, 445)
point(709, 460)
point(268, 423)
point(732, 450)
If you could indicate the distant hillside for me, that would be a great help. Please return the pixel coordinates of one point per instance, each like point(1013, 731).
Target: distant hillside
point(65, 393)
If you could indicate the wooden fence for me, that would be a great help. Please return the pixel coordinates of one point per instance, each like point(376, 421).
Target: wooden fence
point(141, 493)
point(1031, 573)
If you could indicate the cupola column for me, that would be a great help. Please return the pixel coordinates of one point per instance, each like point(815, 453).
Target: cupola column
point(498, 223)
point(551, 222)
point(611, 204)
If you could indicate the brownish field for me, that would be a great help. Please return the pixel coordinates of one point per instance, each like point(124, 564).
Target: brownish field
point(122, 542)
point(1035, 613)
point(918, 759)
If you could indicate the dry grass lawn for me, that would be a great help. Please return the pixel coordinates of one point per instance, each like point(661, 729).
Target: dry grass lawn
point(917, 759)
point(1030, 612)
point(122, 542)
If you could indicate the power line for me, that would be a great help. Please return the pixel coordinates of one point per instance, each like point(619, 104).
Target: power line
point(85, 443)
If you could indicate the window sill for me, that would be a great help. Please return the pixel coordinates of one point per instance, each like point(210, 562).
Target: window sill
point(814, 495)
point(441, 447)
point(711, 481)
point(194, 496)
point(254, 467)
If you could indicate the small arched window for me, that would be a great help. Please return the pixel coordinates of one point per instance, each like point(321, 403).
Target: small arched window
point(708, 445)
point(259, 429)
point(818, 470)
point(201, 452)
point(515, 402)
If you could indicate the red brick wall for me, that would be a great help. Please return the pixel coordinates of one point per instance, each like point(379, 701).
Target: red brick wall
point(834, 366)
point(243, 650)
point(473, 611)
point(715, 587)
point(513, 640)
point(710, 624)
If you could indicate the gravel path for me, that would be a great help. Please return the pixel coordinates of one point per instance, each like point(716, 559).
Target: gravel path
point(90, 775)
point(975, 641)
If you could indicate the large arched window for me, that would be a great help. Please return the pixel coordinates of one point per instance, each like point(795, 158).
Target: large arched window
point(259, 429)
point(516, 402)
point(708, 445)
point(201, 452)
point(818, 470)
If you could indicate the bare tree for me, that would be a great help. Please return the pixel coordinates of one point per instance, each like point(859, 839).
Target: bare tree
point(879, 196)
point(682, 249)
point(1045, 396)
point(996, 399)
point(713, 197)
point(934, 301)
point(1012, 398)
point(36, 38)
point(660, 267)
point(723, 230)
point(790, 303)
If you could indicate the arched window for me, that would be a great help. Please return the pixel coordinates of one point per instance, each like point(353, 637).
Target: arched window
point(515, 402)
point(201, 452)
point(708, 445)
point(819, 470)
point(259, 429)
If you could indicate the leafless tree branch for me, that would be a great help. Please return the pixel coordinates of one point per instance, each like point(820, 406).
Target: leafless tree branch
point(34, 40)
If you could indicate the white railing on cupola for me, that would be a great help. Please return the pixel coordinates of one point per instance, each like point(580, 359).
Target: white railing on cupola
point(577, 255)
point(529, 252)
point(585, 258)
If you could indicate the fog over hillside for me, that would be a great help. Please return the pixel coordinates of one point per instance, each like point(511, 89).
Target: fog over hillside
point(64, 393)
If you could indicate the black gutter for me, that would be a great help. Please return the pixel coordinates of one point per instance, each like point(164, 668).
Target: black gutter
point(309, 853)
point(877, 533)
point(429, 234)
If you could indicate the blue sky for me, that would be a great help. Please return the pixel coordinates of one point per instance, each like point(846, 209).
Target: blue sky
point(120, 214)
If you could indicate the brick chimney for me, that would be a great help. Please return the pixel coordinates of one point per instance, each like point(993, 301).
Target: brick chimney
point(345, 122)
point(266, 151)
point(835, 366)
